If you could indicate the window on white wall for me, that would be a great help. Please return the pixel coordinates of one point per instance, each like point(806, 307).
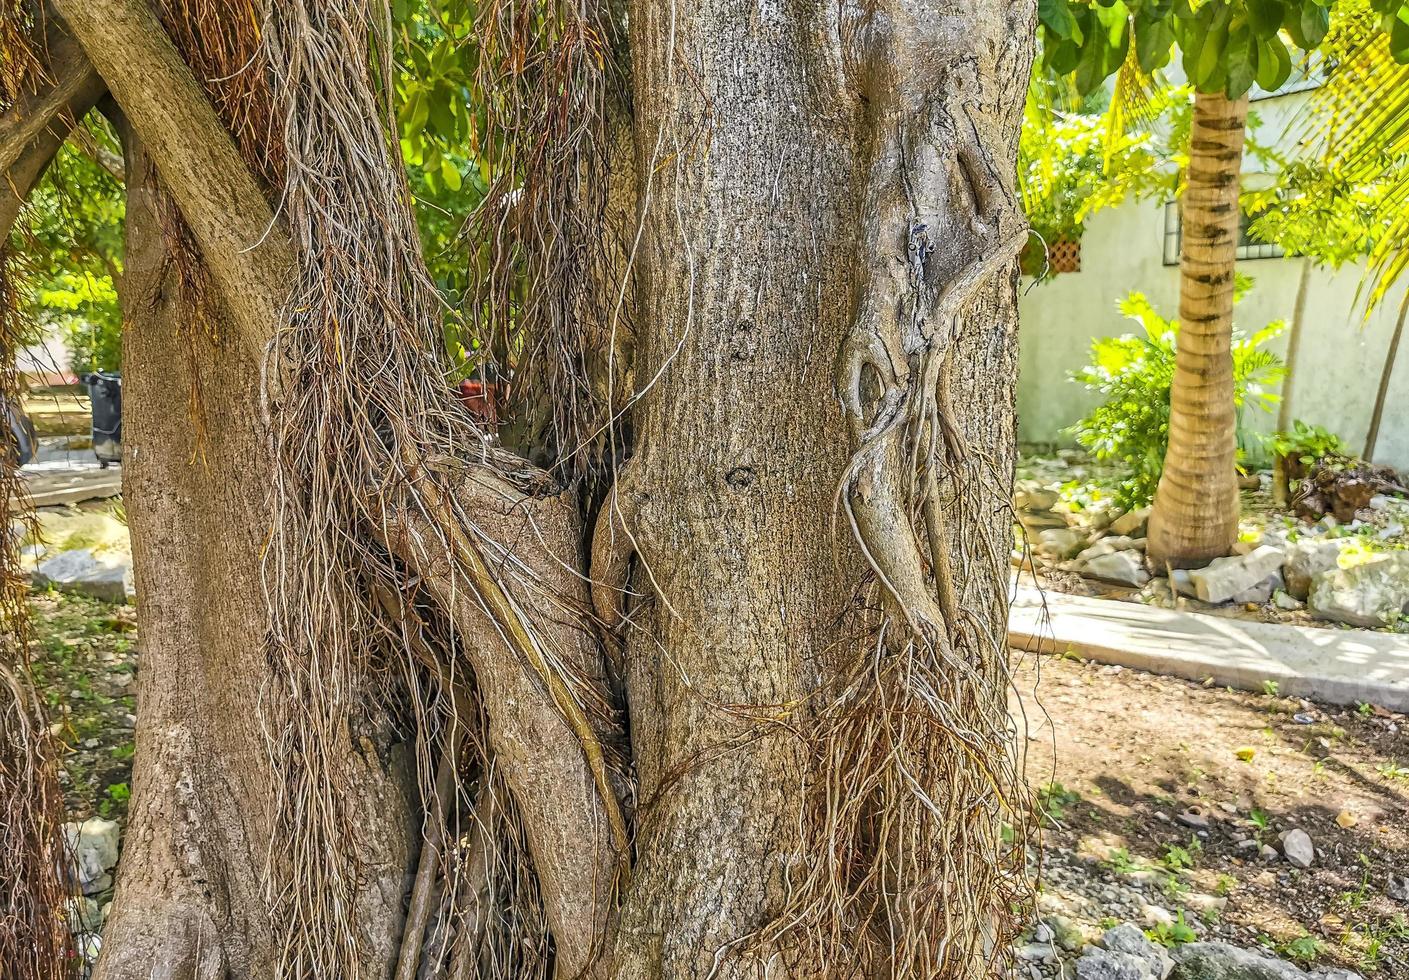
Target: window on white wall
point(1249, 245)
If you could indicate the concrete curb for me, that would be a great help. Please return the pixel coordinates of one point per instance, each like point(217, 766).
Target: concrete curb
point(1329, 665)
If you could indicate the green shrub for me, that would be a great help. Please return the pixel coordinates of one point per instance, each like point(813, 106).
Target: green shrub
point(1308, 444)
point(1133, 374)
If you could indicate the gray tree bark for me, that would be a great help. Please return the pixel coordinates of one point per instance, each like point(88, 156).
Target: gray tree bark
point(810, 179)
point(190, 901)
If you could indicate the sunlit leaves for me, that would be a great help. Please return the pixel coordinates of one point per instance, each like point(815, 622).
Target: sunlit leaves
point(1227, 45)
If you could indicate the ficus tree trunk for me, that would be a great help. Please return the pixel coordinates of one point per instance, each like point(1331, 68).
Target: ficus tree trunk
point(1195, 516)
point(749, 721)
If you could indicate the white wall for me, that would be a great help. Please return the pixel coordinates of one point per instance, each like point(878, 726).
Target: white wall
point(1341, 354)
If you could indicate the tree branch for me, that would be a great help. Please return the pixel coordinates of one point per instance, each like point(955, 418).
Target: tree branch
point(249, 254)
point(34, 129)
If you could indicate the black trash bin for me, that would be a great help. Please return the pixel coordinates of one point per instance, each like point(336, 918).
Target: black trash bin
point(105, 392)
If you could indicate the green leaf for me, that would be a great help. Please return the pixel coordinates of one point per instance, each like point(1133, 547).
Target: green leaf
point(1057, 17)
point(1210, 65)
point(1240, 60)
point(1312, 25)
point(1399, 37)
point(1274, 64)
point(1154, 40)
point(450, 174)
point(1265, 16)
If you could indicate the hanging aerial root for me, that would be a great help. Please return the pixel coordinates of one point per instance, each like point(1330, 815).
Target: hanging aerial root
point(34, 938)
point(919, 816)
point(382, 479)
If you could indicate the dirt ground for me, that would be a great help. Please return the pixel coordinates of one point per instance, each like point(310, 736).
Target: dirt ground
point(1170, 789)
point(84, 659)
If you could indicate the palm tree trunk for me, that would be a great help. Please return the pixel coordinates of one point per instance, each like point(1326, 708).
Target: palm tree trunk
point(1391, 356)
point(1195, 516)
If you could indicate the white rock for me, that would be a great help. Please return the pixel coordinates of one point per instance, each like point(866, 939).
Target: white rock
point(1285, 600)
point(1308, 558)
point(83, 915)
point(79, 572)
point(1131, 941)
point(1375, 593)
point(1223, 578)
point(1132, 523)
point(92, 847)
point(1119, 567)
point(1061, 542)
point(1297, 847)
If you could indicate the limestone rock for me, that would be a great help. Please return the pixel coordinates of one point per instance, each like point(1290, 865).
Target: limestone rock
point(1132, 523)
point(1298, 849)
point(1062, 542)
point(1129, 940)
point(1103, 964)
point(1308, 558)
point(1372, 594)
point(1031, 495)
point(79, 572)
point(1223, 578)
point(1220, 961)
point(92, 847)
point(1263, 591)
point(1119, 567)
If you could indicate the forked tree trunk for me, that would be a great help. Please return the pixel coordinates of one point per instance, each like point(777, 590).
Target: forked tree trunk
point(812, 180)
point(1195, 517)
point(190, 902)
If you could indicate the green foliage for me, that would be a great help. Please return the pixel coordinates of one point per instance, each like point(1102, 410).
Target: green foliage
point(1308, 443)
point(1071, 163)
point(70, 243)
point(1226, 45)
point(1134, 374)
point(1175, 933)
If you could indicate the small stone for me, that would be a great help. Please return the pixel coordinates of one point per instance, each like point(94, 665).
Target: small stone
point(1131, 941)
point(1035, 952)
point(1132, 523)
point(1267, 852)
point(1224, 578)
point(1193, 817)
point(1286, 601)
point(1120, 567)
point(1063, 542)
point(1043, 933)
point(1299, 850)
point(1398, 888)
point(1157, 915)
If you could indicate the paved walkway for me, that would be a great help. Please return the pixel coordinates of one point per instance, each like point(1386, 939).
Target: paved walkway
point(1330, 665)
point(59, 475)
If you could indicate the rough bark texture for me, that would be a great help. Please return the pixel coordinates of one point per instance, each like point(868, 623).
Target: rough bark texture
point(759, 166)
point(1195, 516)
point(802, 171)
point(190, 900)
point(220, 198)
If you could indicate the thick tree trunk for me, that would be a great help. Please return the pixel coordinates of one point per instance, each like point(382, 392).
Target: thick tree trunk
point(765, 136)
point(811, 180)
point(191, 897)
point(1195, 516)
